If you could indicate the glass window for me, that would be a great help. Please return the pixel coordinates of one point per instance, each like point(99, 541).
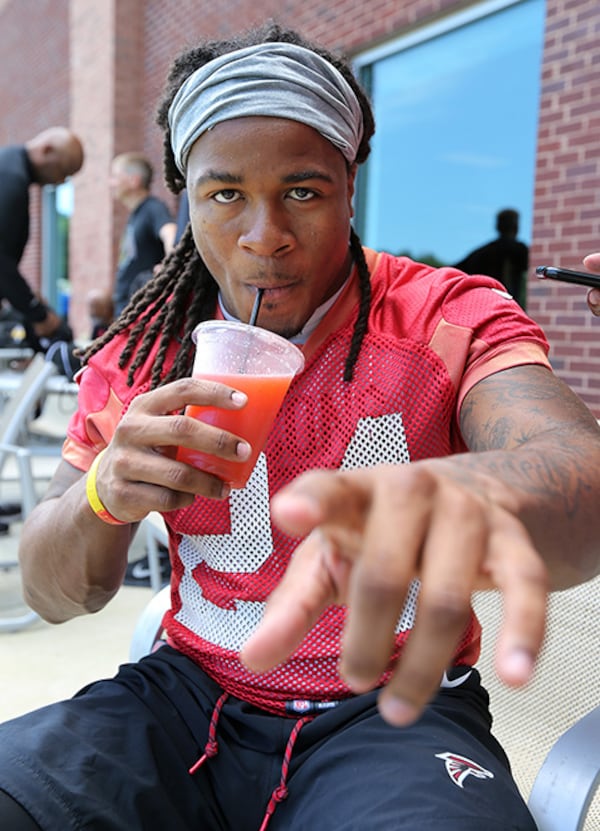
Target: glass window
point(57, 211)
point(456, 107)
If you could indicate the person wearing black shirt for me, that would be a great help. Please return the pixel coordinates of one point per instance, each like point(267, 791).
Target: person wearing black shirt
point(505, 258)
point(48, 158)
point(150, 231)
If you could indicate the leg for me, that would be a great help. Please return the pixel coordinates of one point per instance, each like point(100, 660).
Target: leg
point(445, 773)
point(114, 758)
point(13, 816)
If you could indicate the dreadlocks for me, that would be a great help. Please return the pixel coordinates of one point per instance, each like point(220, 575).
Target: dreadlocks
point(184, 292)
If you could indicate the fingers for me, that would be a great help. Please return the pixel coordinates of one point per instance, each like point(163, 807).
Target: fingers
point(523, 580)
point(175, 396)
point(499, 555)
point(384, 528)
point(141, 473)
point(442, 535)
point(593, 301)
point(320, 498)
point(306, 589)
point(592, 262)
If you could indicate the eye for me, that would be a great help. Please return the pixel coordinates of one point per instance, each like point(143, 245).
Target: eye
point(226, 197)
point(302, 194)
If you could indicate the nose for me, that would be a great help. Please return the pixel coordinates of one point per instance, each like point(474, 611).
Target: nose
point(266, 232)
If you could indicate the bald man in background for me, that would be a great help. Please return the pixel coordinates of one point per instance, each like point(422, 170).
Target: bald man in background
point(46, 159)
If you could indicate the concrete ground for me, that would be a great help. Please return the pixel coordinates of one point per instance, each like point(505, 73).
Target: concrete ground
point(43, 663)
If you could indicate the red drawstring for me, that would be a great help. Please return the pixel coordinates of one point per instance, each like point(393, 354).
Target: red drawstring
point(281, 791)
point(211, 748)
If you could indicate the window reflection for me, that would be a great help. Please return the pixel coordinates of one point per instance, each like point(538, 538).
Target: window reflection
point(456, 110)
point(57, 206)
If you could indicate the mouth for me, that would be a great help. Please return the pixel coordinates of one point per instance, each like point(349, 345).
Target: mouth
point(272, 294)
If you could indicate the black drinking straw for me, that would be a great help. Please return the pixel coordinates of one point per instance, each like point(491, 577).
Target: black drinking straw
point(255, 308)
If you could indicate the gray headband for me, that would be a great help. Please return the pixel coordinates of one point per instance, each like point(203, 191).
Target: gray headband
point(272, 79)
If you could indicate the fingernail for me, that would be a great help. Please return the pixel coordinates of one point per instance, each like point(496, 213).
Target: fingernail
point(519, 665)
point(239, 397)
point(243, 450)
point(397, 711)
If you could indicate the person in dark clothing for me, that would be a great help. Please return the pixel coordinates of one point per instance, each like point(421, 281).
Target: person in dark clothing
point(48, 158)
point(183, 214)
point(150, 231)
point(100, 311)
point(505, 258)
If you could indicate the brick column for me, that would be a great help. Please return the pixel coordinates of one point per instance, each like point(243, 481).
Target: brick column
point(106, 66)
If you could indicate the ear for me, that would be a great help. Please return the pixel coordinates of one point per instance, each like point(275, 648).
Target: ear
point(48, 151)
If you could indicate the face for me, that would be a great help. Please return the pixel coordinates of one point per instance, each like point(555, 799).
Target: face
point(119, 180)
point(270, 207)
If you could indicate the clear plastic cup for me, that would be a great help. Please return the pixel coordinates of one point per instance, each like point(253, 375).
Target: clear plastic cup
point(255, 361)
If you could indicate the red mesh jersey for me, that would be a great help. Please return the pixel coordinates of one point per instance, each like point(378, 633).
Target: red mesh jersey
point(432, 334)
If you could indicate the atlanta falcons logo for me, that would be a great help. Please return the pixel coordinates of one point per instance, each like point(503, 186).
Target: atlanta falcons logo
point(459, 767)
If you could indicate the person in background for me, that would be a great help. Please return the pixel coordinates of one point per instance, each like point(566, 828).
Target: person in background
point(506, 258)
point(47, 159)
point(183, 214)
point(149, 234)
point(100, 308)
point(319, 671)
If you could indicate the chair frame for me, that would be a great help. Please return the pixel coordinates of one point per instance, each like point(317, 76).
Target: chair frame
point(16, 414)
point(569, 777)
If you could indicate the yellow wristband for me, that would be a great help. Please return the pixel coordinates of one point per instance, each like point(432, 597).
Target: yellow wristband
point(93, 498)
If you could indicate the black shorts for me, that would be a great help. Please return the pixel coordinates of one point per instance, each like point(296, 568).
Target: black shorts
point(117, 758)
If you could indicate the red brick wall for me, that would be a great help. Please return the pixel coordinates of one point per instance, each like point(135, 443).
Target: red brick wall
point(567, 193)
point(107, 109)
point(34, 88)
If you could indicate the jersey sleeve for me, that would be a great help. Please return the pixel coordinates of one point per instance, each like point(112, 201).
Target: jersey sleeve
point(103, 397)
point(470, 321)
point(502, 335)
point(93, 424)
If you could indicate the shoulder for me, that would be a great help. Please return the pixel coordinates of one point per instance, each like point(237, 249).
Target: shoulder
point(157, 207)
point(14, 167)
point(414, 299)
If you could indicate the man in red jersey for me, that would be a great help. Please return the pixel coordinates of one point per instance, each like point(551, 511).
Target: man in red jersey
point(318, 672)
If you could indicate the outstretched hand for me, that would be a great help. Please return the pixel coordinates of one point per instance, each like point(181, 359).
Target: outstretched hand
point(592, 263)
point(367, 534)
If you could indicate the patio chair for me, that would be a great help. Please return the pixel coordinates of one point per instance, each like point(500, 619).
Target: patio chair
point(16, 443)
point(550, 730)
point(156, 535)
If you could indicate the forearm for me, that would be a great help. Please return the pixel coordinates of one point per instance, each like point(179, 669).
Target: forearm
point(544, 487)
point(72, 563)
point(15, 288)
point(549, 479)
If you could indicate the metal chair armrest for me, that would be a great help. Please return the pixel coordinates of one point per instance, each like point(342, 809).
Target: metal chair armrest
point(23, 460)
point(148, 628)
point(567, 781)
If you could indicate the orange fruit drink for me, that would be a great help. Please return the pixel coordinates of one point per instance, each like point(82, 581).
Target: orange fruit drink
point(250, 359)
point(253, 423)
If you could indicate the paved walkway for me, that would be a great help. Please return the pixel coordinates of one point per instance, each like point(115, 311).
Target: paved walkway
point(44, 663)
